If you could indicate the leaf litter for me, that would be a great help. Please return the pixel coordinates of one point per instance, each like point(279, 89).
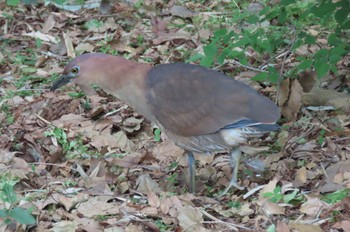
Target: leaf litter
point(103, 170)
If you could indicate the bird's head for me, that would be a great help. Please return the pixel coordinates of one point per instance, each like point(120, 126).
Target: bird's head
point(90, 69)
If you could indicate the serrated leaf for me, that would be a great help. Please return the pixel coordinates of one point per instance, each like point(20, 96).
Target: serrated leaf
point(305, 64)
point(321, 67)
point(210, 50)
point(309, 39)
point(282, 17)
point(22, 216)
point(252, 19)
point(333, 39)
point(345, 25)
point(341, 15)
point(261, 77)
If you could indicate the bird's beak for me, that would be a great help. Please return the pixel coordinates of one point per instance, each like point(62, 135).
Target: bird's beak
point(60, 82)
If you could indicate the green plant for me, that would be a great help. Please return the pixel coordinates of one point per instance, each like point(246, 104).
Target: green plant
point(161, 225)
point(13, 212)
point(277, 196)
point(234, 204)
point(281, 29)
point(157, 134)
point(336, 196)
point(173, 179)
point(12, 2)
point(71, 148)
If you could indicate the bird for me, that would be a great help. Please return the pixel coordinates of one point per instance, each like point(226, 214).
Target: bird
point(201, 110)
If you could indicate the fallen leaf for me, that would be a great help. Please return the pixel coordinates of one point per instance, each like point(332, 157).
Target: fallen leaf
point(146, 184)
point(293, 105)
point(181, 11)
point(190, 218)
point(313, 206)
point(305, 227)
point(343, 225)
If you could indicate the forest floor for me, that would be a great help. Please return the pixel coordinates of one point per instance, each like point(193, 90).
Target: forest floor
point(90, 163)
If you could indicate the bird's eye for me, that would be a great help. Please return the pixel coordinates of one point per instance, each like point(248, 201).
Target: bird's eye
point(75, 70)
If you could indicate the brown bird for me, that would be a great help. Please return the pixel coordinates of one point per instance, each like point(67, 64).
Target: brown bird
point(201, 110)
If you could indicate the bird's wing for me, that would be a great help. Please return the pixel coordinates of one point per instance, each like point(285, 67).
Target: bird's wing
point(191, 100)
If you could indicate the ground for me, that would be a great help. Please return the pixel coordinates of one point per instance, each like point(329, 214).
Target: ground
point(90, 163)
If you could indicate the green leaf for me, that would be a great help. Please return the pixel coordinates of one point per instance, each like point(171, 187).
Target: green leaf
point(22, 216)
point(59, 2)
point(210, 50)
point(261, 77)
point(271, 228)
point(207, 61)
point(282, 17)
point(341, 15)
point(157, 135)
point(12, 2)
point(242, 42)
point(287, 2)
point(333, 39)
point(94, 23)
point(289, 197)
point(3, 213)
point(273, 75)
point(10, 195)
point(306, 64)
point(253, 19)
point(309, 39)
point(220, 33)
point(322, 67)
point(346, 25)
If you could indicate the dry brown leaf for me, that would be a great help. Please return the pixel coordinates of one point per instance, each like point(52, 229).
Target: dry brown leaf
point(332, 172)
point(84, 47)
point(43, 36)
point(165, 205)
point(88, 225)
point(313, 206)
point(190, 218)
point(268, 188)
point(305, 227)
point(271, 208)
point(307, 80)
point(167, 151)
point(153, 199)
point(170, 36)
point(293, 105)
point(98, 205)
point(70, 202)
point(181, 11)
point(283, 92)
point(49, 24)
point(64, 226)
point(343, 225)
point(150, 211)
point(300, 177)
point(282, 227)
point(146, 184)
point(69, 45)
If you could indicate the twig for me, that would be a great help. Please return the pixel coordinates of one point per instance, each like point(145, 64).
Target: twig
point(114, 111)
point(216, 220)
point(43, 119)
point(57, 165)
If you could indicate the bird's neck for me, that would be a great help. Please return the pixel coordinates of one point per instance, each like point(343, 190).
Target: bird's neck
point(128, 84)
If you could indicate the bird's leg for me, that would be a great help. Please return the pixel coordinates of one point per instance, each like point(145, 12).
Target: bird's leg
point(235, 155)
point(192, 168)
